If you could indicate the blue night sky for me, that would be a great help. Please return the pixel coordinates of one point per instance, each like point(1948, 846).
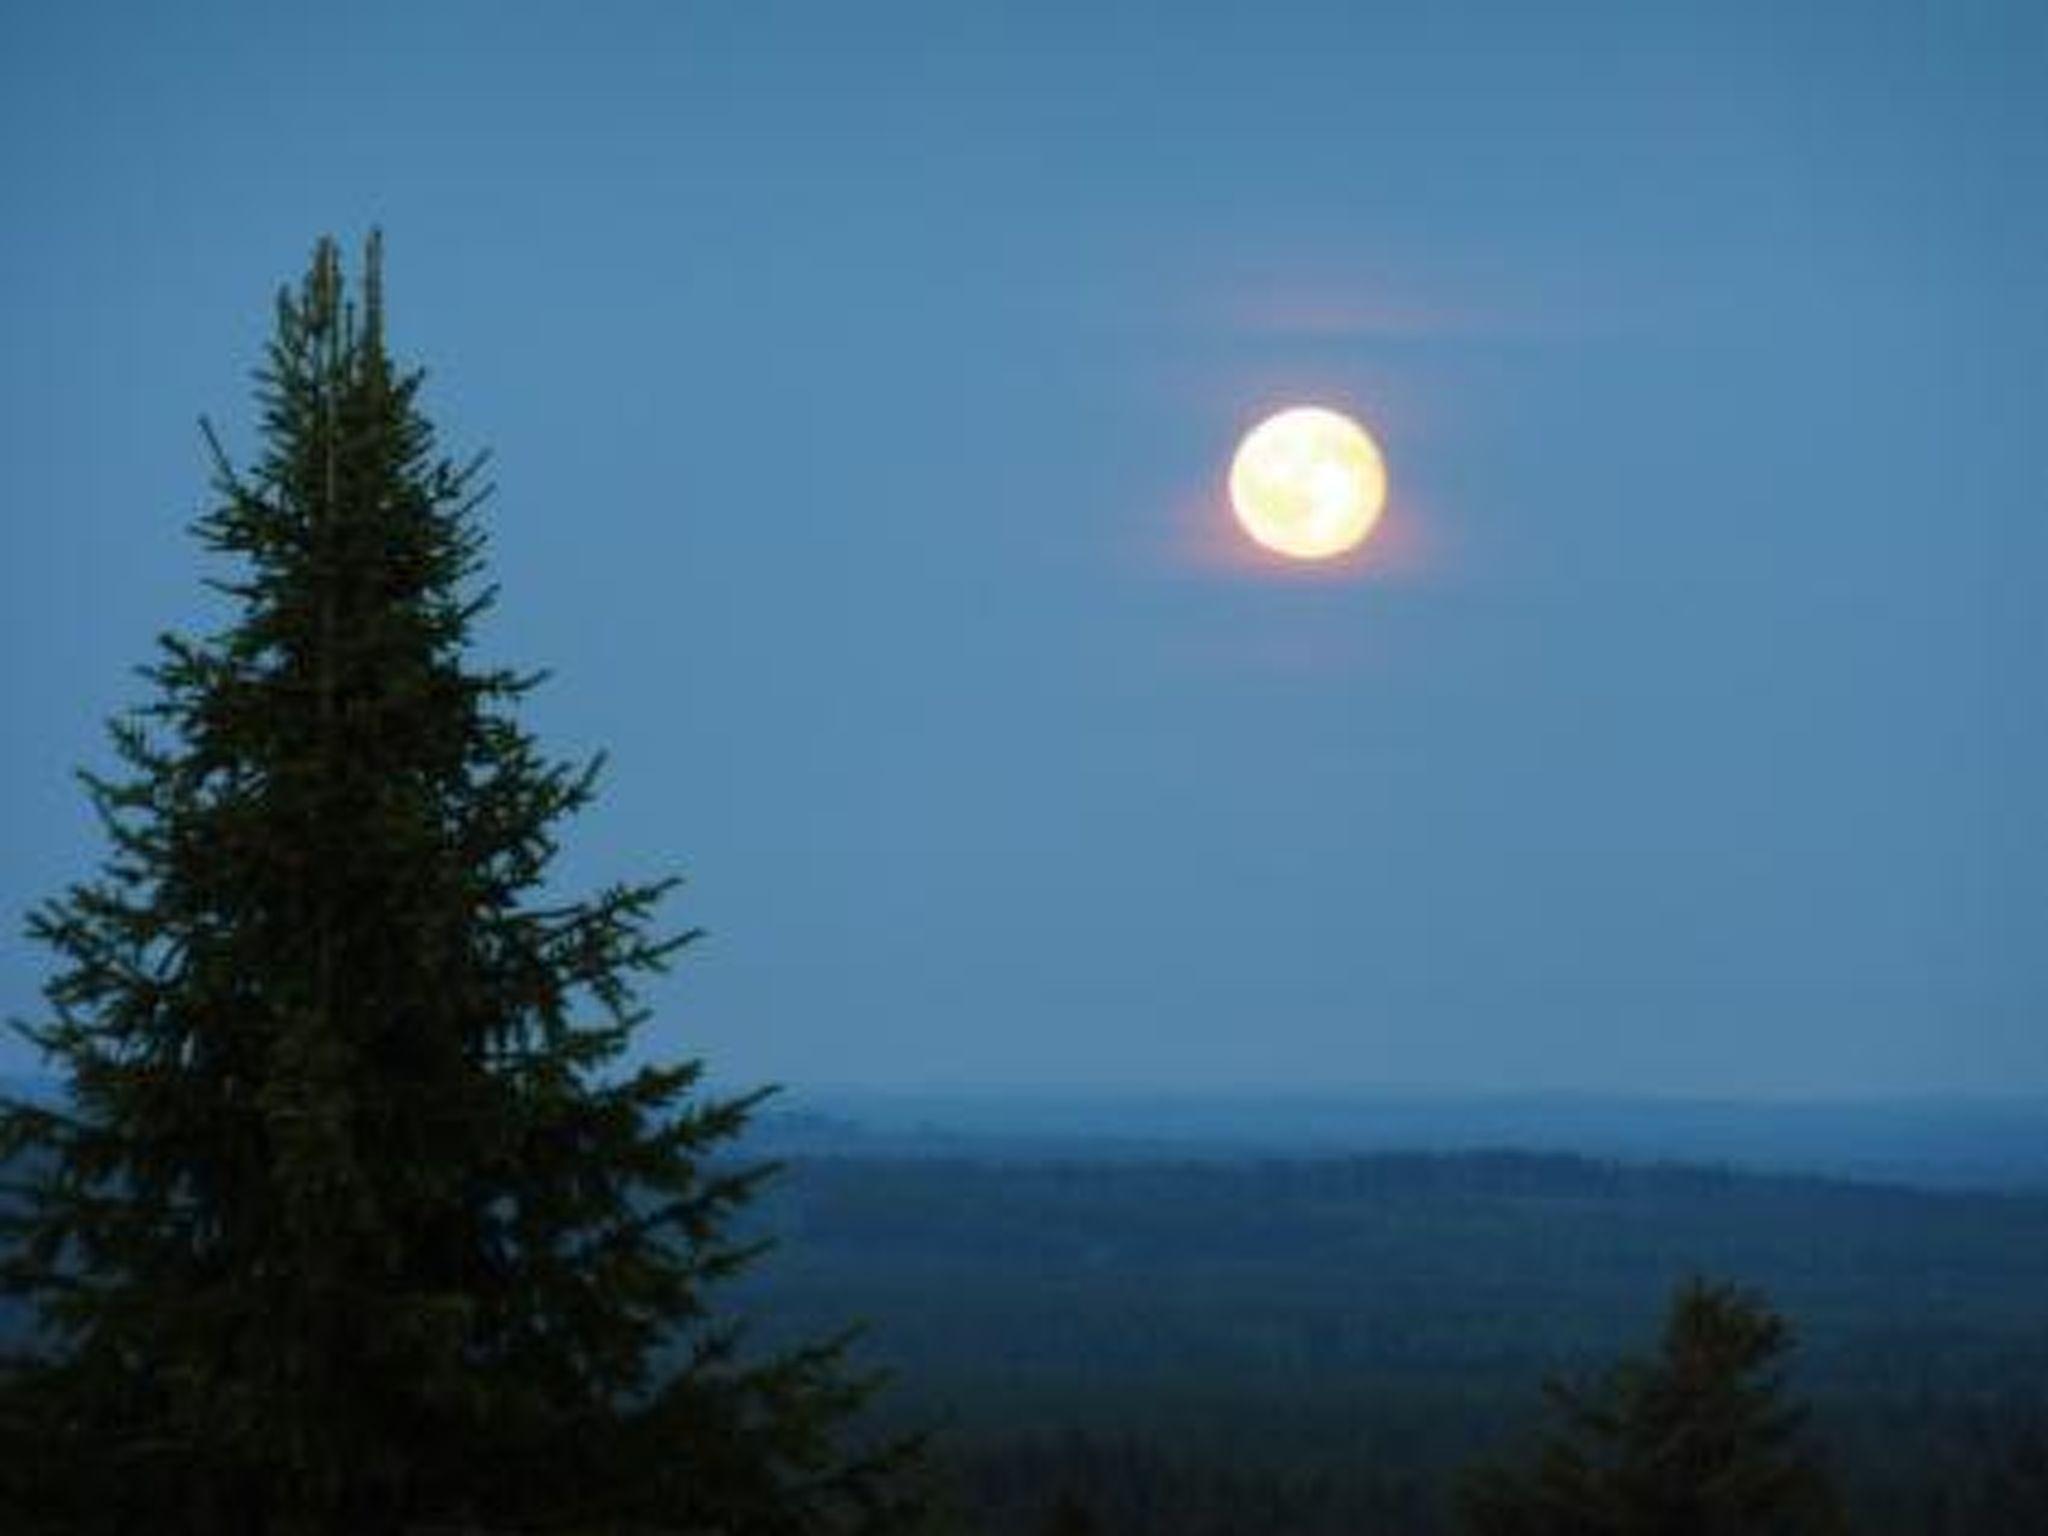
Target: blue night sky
point(862, 380)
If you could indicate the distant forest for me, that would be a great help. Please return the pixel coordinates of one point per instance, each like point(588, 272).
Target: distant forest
point(1234, 1346)
point(1318, 1346)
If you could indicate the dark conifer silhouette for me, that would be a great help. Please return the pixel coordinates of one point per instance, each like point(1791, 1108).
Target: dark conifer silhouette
point(353, 1220)
point(1070, 1517)
point(1698, 1441)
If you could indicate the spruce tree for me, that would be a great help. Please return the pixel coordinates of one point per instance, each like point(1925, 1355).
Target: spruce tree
point(1697, 1441)
point(354, 1219)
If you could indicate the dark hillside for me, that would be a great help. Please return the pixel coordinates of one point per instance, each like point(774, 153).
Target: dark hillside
point(1379, 1320)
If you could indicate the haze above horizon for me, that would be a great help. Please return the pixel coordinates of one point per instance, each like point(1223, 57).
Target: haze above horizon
point(861, 387)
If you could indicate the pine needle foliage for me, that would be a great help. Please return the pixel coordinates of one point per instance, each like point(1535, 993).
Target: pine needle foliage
point(1698, 1440)
point(353, 1219)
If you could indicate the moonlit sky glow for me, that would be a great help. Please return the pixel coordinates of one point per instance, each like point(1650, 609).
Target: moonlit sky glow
point(861, 381)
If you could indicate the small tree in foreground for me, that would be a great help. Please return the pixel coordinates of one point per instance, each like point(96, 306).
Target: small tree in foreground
point(351, 1220)
point(1068, 1516)
point(1697, 1441)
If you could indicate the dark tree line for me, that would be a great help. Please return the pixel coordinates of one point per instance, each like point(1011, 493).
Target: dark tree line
point(1699, 1438)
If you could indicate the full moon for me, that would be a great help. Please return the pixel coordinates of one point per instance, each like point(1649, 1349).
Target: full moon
point(1308, 483)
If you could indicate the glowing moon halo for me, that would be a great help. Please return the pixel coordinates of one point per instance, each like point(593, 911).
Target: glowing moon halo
point(1308, 483)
